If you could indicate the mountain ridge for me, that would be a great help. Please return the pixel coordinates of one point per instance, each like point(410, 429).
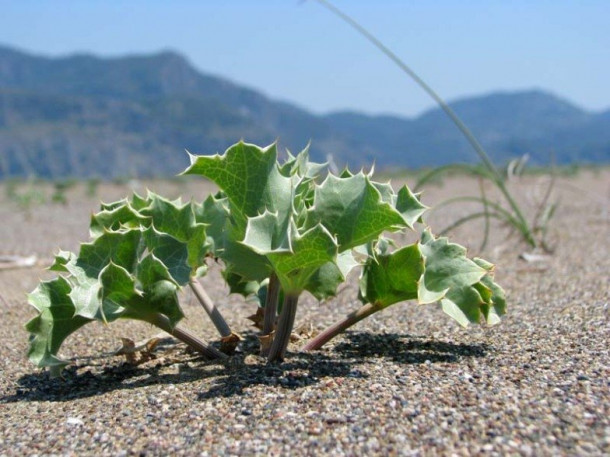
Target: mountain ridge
point(81, 115)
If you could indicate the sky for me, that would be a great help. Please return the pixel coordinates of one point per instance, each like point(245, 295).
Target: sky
point(298, 51)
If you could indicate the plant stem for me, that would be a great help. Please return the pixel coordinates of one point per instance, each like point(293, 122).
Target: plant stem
point(229, 340)
point(207, 303)
point(273, 291)
point(185, 336)
point(486, 208)
point(322, 338)
point(284, 328)
point(493, 171)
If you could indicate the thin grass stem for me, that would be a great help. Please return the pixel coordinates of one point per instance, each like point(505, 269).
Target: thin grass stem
point(493, 171)
point(487, 219)
point(432, 174)
point(465, 219)
point(507, 216)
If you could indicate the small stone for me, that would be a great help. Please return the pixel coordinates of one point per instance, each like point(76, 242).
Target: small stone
point(74, 421)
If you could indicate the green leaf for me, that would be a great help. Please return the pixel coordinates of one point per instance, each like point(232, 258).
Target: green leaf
point(119, 248)
point(446, 267)
point(158, 292)
point(169, 217)
point(386, 191)
point(62, 258)
point(141, 296)
point(463, 303)
point(55, 322)
point(138, 203)
point(294, 256)
point(238, 285)
point(352, 209)
point(179, 221)
point(267, 233)
point(122, 248)
point(310, 251)
point(225, 240)
point(496, 304)
point(116, 289)
point(324, 282)
point(301, 166)
point(392, 278)
point(113, 205)
point(173, 253)
point(346, 173)
point(408, 204)
point(464, 287)
point(214, 213)
point(250, 178)
point(123, 216)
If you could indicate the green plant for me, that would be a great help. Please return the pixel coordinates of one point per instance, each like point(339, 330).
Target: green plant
point(91, 186)
point(59, 190)
point(533, 233)
point(279, 229)
point(31, 195)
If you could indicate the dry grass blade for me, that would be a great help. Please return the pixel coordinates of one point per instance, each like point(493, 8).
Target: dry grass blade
point(12, 262)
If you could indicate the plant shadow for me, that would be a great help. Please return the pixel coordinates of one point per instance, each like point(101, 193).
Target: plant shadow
point(304, 369)
point(244, 370)
point(301, 370)
point(407, 349)
point(82, 381)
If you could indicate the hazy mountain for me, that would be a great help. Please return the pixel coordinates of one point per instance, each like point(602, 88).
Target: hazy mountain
point(506, 124)
point(86, 116)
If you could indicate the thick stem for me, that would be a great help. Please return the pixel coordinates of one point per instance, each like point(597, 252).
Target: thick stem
point(207, 303)
point(273, 292)
point(185, 336)
point(322, 338)
point(284, 328)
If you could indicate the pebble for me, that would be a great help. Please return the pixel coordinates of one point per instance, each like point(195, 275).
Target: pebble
point(74, 421)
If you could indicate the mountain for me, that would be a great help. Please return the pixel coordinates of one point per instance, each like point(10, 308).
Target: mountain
point(133, 116)
point(506, 124)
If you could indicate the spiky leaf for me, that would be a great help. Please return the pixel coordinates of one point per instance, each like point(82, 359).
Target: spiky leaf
point(495, 306)
point(392, 278)
point(55, 322)
point(465, 288)
point(407, 203)
point(122, 216)
point(294, 256)
point(352, 209)
point(250, 178)
point(446, 267)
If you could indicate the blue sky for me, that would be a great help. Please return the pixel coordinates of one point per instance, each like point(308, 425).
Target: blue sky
point(301, 53)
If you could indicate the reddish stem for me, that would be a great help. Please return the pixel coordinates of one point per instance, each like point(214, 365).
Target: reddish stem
point(273, 291)
point(284, 328)
point(322, 338)
point(187, 337)
point(209, 307)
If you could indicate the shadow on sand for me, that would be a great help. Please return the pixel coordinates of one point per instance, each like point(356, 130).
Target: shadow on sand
point(242, 370)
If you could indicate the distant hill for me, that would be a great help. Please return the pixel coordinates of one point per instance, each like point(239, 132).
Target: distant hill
point(133, 116)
